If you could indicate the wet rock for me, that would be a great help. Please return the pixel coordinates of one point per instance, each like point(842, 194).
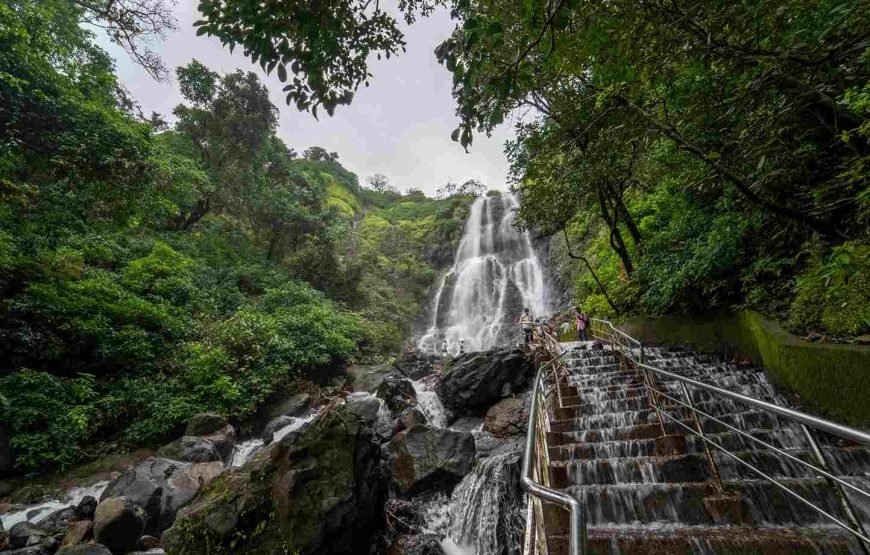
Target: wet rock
point(473, 382)
point(397, 392)
point(294, 405)
point(273, 426)
point(60, 520)
point(368, 377)
point(85, 549)
point(508, 417)
point(322, 490)
point(363, 405)
point(429, 458)
point(118, 523)
point(415, 366)
point(161, 487)
point(78, 532)
point(26, 534)
point(86, 507)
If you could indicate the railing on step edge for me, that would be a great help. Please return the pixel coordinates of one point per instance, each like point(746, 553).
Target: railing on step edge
point(549, 372)
point(633, 351)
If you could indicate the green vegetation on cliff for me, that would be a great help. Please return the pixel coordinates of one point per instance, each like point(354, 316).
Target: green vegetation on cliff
point(151, 271)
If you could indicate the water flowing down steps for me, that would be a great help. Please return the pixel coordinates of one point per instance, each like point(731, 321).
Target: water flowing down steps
point(646, 491)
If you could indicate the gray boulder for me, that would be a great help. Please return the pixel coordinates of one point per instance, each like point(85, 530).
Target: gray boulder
point(363, 405)
point(471, 383)
point(86, 507)
point(408, 418)
point(425, 458)
point(323, 488)
point(85, 549)
point(161, 487)
point(274, 425)
point(369, 377)
point(118, 523)
point(216, 445)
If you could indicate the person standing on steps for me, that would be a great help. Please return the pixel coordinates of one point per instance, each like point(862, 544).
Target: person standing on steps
point(528, 325)
point(582, 324)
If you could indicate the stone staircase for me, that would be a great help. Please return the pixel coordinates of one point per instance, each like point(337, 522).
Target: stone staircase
point(648, 486)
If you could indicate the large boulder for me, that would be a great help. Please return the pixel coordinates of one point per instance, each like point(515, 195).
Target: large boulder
point(429, 458)
point(321, 490)
point(207, 438)
point(369, 377)
point(161, 487)
point(118, 523)
point(508, 417)
point(474, 381)
point(190, 449)
point(397, 392)
point(363, 405)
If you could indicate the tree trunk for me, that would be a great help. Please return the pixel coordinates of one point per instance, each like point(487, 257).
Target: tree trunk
point(591, 271)
point(616, 241)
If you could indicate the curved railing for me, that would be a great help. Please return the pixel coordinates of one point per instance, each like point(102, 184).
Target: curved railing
point(633, 351)
point(546, 383)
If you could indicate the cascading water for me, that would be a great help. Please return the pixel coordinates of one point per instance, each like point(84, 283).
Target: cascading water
point(494, 276)
point(485, 513)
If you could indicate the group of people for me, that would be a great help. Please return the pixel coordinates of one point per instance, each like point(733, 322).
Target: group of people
point(529, 325)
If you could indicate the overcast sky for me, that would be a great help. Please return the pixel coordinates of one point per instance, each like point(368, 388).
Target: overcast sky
point(400, 126)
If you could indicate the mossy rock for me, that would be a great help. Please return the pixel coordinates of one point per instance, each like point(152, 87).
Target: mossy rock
point(319, 490)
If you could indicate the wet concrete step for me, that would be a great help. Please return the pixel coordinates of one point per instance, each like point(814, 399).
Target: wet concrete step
point(680, 444)
point(732, 540)
point(751, 419)
point(691, 467)
point(745, 502)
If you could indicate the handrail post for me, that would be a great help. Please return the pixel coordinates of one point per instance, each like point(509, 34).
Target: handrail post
point(714, 470)
point(848, 509)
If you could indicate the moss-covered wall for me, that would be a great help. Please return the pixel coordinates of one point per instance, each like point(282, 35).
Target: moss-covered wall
point(830, 379)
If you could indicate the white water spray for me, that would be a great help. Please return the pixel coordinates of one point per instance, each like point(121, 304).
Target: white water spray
point(494, 276)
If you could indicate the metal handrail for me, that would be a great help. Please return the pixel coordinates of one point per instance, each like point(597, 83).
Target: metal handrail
point(618, 339)
point(577, 532)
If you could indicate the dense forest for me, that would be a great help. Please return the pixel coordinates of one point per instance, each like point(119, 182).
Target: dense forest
point(687, 155)
point(149, 271)
point(682, 155)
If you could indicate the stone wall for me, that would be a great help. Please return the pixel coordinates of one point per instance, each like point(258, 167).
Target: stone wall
point(830, 379)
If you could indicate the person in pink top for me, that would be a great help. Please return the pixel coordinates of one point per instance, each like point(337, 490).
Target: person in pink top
point(582, 324)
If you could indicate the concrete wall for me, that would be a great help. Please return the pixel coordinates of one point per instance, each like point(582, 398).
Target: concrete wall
point(829, 379)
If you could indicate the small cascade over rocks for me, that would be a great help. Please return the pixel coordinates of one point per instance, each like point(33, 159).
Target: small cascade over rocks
point(486, 510)
point(495, 275)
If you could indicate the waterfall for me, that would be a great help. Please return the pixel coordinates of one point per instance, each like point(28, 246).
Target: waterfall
point(494, 276)
point(429, 403)
point(485, 513)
